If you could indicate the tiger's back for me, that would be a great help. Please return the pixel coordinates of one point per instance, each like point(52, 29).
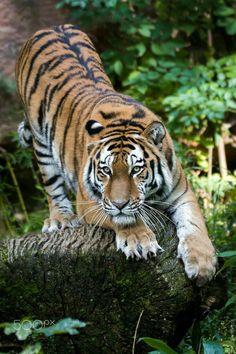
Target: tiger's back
point(59, 78)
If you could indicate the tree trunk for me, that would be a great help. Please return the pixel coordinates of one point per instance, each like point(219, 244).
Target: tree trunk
point(79, 274)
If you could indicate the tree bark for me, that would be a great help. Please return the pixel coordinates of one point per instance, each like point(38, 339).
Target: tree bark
point(79, 274)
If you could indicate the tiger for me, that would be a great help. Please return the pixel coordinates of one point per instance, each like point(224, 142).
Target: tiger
point(111, 150)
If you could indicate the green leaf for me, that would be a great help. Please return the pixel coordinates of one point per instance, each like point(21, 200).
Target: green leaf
point(212, 348)
point(118, 67)
point(142, 88)
point(144, 31)
point(167, 48)
point(232, 300)
point(151, 62)
point(32, 349)
point(67, 325)
point(188, 27)
point(226, 254)
point(167, 64)
point(224, 11)
point(141, 49)
point(111, 3)
point(229, 263)
point(158, 344)
point(22, 329)
point(231, 26)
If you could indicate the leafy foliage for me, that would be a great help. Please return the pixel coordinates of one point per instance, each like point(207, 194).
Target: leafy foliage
point(206, 93)
point(17, 169)
point(33, 330)
point(178, 58)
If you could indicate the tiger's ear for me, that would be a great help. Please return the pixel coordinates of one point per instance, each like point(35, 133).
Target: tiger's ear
point(155, 133)
point(93, 127)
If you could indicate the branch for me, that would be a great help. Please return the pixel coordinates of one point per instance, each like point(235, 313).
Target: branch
point(79, 274)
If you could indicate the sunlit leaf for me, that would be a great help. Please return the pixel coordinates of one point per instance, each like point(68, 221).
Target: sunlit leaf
point(144, 31)
point(118, 67)
point(32, 349)
point(141, 49)
point(67, 325)
point(212, 347)
point(227, 253)
point(224, 11)
point(231, 26)
point(229, 263)
point(232, 300)
point(158, 344)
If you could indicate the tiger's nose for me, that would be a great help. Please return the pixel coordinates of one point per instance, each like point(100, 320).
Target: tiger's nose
point(120, 204)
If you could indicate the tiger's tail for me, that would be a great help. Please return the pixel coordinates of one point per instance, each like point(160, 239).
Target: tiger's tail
point(25, 135)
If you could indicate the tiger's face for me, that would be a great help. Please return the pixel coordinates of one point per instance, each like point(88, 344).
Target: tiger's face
point(123, 172)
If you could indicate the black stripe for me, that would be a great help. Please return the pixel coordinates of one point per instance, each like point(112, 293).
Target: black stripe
point(125, 123)
point(61, 59)
point(186, 189)
point(169, 157)
point(113, 146)
point(59, 106)
point(41, 35)
point(109, 115)
point(58, 196)
point(68, 78)
point(120, 132)
point(173, 189)
point(50, 96)
point(70, 68)
point(44, 163)
point(43, 69)
point(41, 154)
point(77, 100)
point(85, 45)
point(38, 142)
point(176, 200)
point(119, 138)
point(40, 115)
point(192, 223)
point(51, 180)
point(35, 56)
point(139, 114)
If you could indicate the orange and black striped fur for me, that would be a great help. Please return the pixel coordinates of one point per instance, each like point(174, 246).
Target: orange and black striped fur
point(113, 151)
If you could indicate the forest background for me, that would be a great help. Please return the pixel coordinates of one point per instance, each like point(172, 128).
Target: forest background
point(178, 57)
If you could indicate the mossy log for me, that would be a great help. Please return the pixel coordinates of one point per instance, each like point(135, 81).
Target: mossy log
point(79, 274)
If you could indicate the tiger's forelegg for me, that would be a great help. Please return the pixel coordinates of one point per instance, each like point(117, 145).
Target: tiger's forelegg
point(137, 241)
point(195, 247)
point(134, 241)
point(60, 208)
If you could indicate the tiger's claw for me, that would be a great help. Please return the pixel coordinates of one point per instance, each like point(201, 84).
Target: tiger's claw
point(138, 244)
point(60, 222)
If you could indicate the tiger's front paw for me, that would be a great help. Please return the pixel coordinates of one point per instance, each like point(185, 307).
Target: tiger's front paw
point(137, 242)
point(60, 222)
point(199, 258)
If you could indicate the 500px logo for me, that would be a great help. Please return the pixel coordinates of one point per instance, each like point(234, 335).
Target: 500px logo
point(35, 325)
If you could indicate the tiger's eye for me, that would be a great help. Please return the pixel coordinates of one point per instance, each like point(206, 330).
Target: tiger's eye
point(136, 169)
point(106, 170)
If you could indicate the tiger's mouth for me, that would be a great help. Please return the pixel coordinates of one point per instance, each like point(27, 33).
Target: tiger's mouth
point(124, 219)
point(122, 213)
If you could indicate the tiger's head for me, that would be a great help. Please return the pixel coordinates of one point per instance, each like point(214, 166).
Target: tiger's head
point(128, 162)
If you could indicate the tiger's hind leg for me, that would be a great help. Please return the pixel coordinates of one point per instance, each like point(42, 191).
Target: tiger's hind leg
point(61, 212)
